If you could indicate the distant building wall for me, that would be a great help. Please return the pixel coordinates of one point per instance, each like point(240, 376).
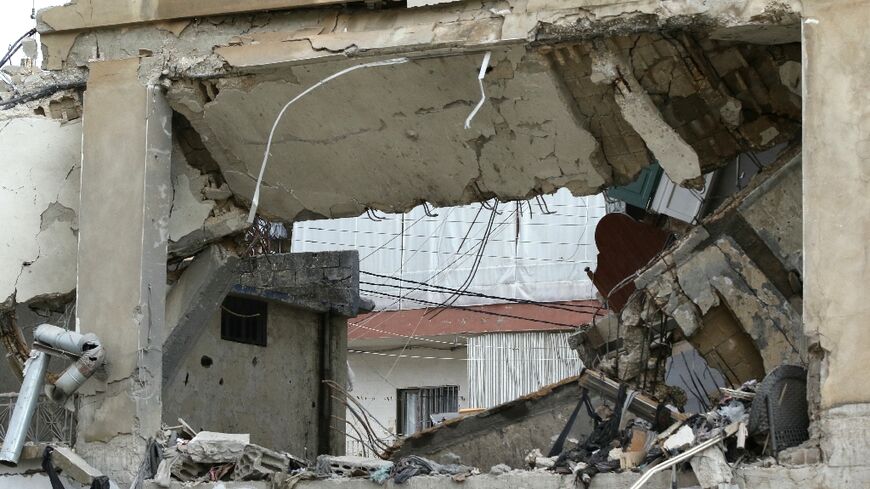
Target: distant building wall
point(376, 380)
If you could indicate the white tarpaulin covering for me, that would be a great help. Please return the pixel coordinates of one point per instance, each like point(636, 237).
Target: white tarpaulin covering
point(529, 254)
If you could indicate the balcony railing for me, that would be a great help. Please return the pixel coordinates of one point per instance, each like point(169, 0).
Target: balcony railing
point(51, 422)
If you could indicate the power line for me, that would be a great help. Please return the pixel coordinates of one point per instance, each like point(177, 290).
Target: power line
point(566, 307)
point(446, 267)
point(457, 344)
point(489, 313)
point(426, 357)
point(435, 252)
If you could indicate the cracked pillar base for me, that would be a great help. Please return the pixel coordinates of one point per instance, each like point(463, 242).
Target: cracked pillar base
point(125, 199)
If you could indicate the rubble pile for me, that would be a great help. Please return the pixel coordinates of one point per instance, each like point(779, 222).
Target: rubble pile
point(209, 456)
point(711, 442)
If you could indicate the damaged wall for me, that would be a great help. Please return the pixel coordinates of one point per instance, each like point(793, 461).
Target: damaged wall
point(734, 275)
point(270, 392)
point(39, 200)
point(709, 97)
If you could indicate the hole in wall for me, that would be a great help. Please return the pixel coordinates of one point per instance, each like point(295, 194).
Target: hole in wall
point(206, 361)
point(186, 377)
point(221, 382)
point(254, 361)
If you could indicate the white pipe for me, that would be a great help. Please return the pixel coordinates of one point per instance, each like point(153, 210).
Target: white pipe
point(679, 458)
point(25, 406)
point(62, 339)
point(76, 374)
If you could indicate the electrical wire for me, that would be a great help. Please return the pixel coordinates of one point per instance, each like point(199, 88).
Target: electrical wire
point(255, 201)
point(489, 313)
point(15, 46)
point(442, 289)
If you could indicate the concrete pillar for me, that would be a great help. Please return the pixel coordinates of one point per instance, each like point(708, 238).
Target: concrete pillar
point(836, 89)
point(125, 199)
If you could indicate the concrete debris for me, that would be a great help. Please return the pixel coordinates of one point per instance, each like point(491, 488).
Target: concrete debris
point(500, 469)
point(711, 469)
point(209, 447)
point(349, 466)
point(258, 463)
point(73, 466)
point(684, 437)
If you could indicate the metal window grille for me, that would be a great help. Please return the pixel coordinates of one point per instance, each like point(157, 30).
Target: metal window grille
point(244, 320)
point(417, 405)
point(51, 422)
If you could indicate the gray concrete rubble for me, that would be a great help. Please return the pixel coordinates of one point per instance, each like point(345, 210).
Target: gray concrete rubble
point(215, 448)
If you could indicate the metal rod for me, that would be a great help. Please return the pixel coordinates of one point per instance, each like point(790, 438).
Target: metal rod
point(679, 458)
point(25, 406)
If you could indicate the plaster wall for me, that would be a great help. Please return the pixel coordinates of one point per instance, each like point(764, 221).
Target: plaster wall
point(270, 392)
point(376, 379)
point(39, 201)
point(836, 183)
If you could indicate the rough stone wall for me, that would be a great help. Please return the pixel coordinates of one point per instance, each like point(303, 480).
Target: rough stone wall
point(721, 98)
point(725, 263)
point(322, 282)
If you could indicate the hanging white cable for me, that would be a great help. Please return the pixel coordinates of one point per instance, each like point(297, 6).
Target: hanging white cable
point(483, 67)
point(256, 200)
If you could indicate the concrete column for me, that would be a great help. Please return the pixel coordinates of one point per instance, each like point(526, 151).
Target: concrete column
point(125, 200)
point(836, 89)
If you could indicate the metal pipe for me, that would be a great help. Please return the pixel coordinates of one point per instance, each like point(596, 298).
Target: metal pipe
point(25, 406)
point(76, 374)
point(62, 339)
point(679, 458)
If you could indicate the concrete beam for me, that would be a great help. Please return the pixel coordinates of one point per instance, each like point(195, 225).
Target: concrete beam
point(193, 300)
point(89, 14)
point(124, 211)
point(321, 282)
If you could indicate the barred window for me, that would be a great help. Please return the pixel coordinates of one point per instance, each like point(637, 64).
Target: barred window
point(243, 320)
point(417, 406)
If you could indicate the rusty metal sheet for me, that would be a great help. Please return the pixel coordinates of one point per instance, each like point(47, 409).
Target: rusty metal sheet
point(624, 246)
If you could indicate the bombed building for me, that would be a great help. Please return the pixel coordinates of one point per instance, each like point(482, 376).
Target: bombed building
point(164, 326)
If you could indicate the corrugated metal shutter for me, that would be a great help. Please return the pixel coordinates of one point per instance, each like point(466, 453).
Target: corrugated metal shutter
point(504, 366)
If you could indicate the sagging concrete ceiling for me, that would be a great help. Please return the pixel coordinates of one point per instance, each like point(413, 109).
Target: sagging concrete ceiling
point(584, 115)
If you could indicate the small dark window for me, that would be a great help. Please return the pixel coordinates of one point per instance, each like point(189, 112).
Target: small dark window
point(244, 320)
point(417, 406)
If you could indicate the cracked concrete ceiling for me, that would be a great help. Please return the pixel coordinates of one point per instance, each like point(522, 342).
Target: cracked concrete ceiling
point(585, 116)
point(391, 137)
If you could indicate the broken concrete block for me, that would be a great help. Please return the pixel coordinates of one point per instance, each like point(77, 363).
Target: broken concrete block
point(349, 466)
point(221, 193)
point(216, 448)
point(711, 468)
point(684, 437)
point(258, 463)
point(73, 466)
